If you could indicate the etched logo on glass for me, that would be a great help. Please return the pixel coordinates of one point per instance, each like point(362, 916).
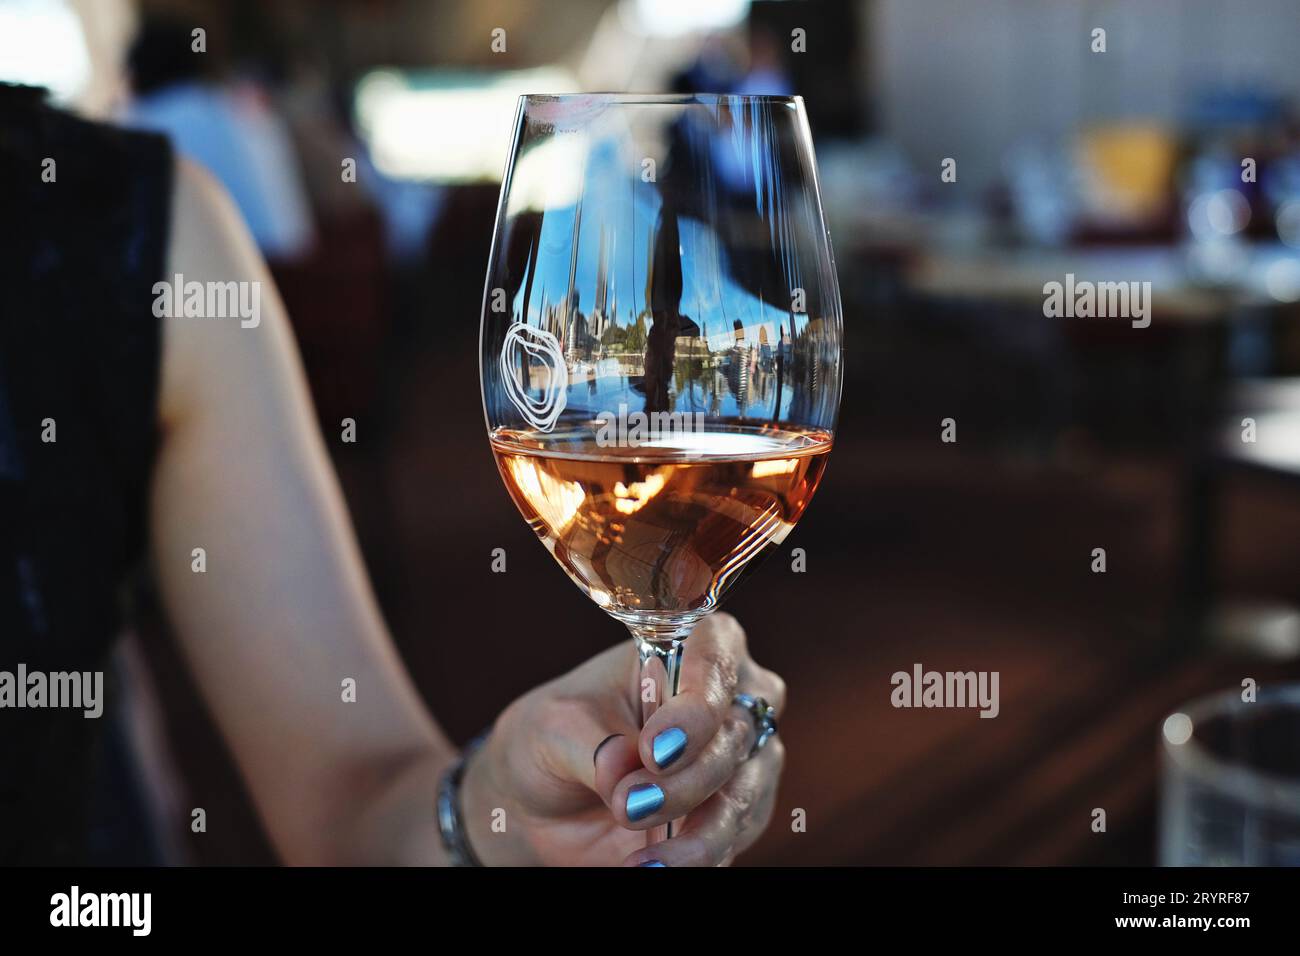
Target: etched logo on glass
point(535, 376)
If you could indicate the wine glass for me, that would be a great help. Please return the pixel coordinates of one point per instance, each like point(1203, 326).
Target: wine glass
point(1230, 793)
point(661, 347)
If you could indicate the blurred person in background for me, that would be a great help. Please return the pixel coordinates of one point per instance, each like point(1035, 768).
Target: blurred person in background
point(227, 125)
point(766, 75)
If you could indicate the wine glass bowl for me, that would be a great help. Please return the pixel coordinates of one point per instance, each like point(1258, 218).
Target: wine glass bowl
point(661, 346)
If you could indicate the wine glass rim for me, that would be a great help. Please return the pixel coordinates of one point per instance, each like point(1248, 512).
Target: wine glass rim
point(663, 99)
point(1238, 780)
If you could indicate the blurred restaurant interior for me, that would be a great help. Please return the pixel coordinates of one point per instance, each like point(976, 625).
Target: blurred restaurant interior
point(1073, 434)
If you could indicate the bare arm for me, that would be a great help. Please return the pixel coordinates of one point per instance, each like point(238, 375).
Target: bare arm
point(284, 612)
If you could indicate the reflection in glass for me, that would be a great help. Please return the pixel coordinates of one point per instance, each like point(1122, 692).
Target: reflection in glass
point(660, 346)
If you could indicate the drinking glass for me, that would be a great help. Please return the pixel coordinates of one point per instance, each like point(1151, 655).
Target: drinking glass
point(660, 347)
point(1231, 790)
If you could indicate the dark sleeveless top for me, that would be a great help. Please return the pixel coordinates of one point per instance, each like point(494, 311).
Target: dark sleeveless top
point(79, 364)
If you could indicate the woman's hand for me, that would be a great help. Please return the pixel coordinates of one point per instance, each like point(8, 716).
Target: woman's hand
point(561, 761)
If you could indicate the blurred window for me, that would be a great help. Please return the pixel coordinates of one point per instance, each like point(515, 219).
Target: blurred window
point(446, 126)
point(675, 17)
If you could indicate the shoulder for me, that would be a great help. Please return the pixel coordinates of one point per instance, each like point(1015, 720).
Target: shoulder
point(225, 333)
point(201, 207)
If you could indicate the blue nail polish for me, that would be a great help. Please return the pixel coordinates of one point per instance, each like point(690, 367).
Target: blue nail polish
point(653, 863)
point(643, 801)
point(669, 745)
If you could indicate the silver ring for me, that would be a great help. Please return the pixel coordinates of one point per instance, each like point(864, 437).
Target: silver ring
point(764, 715)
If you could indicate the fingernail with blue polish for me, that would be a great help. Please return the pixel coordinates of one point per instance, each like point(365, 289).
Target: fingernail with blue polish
point(653, 863)
point(669, 745)
point(643, 801)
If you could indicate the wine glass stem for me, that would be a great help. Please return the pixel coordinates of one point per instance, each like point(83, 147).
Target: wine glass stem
point(658, 679)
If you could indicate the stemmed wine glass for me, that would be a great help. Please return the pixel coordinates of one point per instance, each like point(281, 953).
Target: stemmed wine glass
point(661, 347)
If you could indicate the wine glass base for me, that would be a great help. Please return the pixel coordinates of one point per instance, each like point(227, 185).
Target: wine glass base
point(657, 627)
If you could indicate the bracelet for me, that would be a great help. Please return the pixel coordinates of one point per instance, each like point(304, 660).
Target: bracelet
point(450, 821)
